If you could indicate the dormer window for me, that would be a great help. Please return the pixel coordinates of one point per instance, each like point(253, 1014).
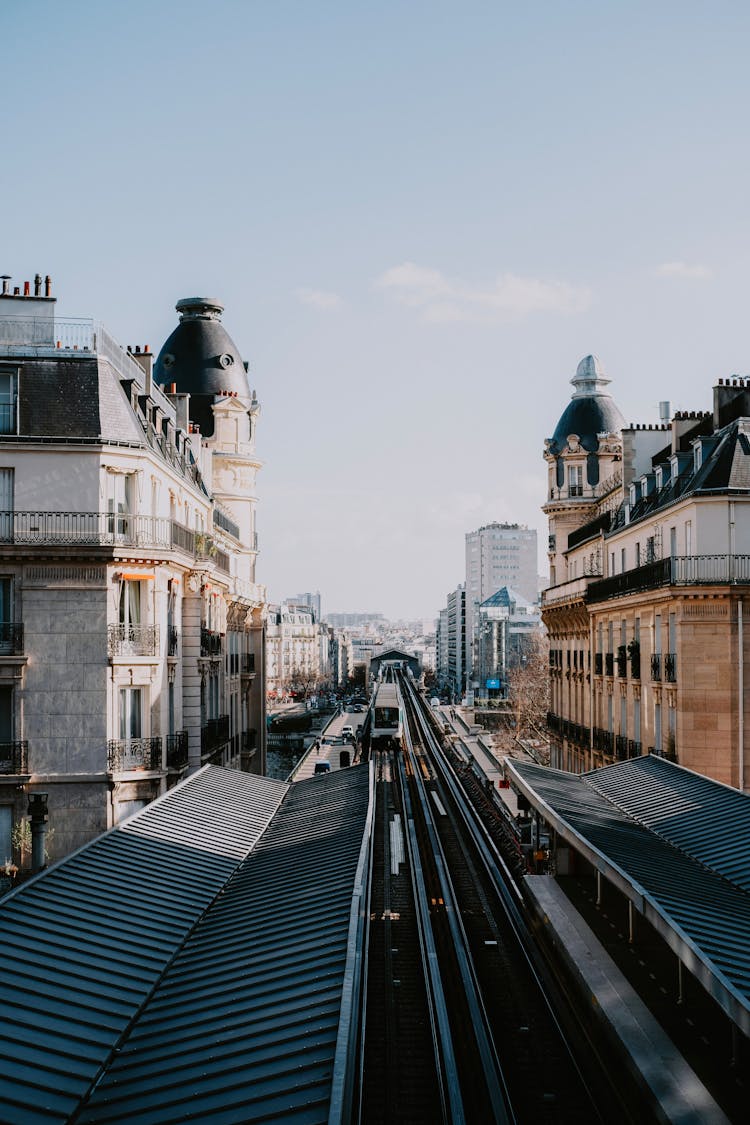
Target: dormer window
point(8, 400)
point(697, 456)
point(675, 468)
point(575, 480)
point(659, 477)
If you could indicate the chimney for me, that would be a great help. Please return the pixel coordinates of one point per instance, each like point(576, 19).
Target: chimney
point(5, 277)
point(26, 289)
point(48, 286)
point(37, 285)
point(145, 360)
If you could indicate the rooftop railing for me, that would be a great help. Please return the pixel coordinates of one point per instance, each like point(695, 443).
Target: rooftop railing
point(65, 335)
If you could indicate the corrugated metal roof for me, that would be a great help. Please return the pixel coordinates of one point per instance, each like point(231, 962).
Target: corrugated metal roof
point(704, 916)
point(85, 943)
point(244, 1026)
point(702, 817)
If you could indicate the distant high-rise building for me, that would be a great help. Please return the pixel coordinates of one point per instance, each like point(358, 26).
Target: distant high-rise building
point(308, 599)
point(497, 555)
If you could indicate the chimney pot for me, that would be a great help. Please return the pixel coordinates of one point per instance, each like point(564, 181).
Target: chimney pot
point(16, 291)
point(47, 286)
point(137, 349)
point(5, 279)
point(26, 289)
point(37, 284)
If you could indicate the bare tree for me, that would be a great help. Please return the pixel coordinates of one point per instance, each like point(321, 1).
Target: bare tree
point(528, 688)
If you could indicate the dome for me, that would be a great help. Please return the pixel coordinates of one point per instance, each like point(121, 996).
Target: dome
point(591, 411)
point(201, 359)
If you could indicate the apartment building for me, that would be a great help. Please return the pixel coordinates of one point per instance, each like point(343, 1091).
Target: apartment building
point(132, 633)
point(649, 545)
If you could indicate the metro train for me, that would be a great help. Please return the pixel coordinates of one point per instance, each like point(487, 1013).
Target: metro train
point(385, 731)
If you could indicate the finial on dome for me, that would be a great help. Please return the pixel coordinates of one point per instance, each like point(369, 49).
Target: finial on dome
point(590, 378)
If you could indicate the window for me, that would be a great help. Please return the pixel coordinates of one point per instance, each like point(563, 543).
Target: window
point(119, 502)
point(637, 554)
point(131, 710)
point(575, 480)
point(6, 832)
point(688, 537)
point(8, 401)
point(6, 504)
point(6, 615)
point(673, 542)
point(130, 603)
point(622, 560)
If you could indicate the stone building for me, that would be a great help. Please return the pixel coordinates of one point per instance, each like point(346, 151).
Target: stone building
point(132, 630)
point(293, 649)
point(649, 545)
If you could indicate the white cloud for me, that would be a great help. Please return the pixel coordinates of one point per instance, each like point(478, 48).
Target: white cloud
point(319, 298)
point(509, 297)
point(683, 269)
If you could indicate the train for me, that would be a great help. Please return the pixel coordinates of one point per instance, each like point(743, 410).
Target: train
point(386, 725)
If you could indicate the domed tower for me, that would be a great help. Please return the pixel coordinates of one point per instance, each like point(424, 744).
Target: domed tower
point(202, 366)
point(581, 454)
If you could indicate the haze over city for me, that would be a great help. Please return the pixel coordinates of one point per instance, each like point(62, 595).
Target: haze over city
point(418, 218)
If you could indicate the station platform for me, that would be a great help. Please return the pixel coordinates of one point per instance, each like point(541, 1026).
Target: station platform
point(668, 1084)
point(472, 746)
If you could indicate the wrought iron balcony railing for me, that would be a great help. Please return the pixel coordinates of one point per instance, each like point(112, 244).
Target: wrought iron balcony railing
point(177, 750)
point(677, 570)
point(214, 734)
point(621, 747)
point(634, 749)
point(655, 665)
point(670, 667)
point(14, 757)
point(133, 640)
point(11, 638)
point(211, 643)
point(622, 662)
point(124, 754)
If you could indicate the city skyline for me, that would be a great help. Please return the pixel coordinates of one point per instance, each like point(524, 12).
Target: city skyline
point(418, 220)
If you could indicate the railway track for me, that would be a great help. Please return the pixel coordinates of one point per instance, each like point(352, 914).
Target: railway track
point(461, 1020)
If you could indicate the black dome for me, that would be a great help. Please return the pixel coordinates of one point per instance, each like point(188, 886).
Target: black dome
point(201, 359)
point(590, 412)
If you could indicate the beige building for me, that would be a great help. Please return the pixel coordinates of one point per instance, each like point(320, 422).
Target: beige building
point(649, 546)
point(132, 632)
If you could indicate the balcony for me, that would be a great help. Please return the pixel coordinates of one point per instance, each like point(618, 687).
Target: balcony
point(211, 643)
point(14, 757)
point(634, 749)
point(670, 667)
point(603, 740)
point(11, 638)
point(125, 754)
point(622, 662)
point(678, 570)
point(177, 750)
point(621, 747)
point(214, 736)
point(634, 652)
point(132, 640)
point(656, 666)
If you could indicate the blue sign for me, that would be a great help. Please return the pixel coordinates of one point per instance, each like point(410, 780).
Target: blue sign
point(493, 684)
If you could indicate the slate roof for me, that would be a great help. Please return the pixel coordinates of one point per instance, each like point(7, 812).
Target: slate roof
point(155, 976)
point(674, 842)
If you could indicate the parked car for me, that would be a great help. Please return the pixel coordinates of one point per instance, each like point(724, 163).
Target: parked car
point(347, 732)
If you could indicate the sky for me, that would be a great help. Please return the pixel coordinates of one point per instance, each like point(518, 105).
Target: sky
point(419, 218)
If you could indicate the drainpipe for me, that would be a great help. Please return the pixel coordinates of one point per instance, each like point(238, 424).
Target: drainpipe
point(741, 700)
point(38, 812)
point(591, 693)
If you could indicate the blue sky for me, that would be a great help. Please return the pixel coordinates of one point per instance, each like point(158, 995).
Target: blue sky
point(419, 217)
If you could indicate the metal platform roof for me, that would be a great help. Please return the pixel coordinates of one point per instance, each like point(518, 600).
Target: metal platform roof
point(673, 842)
point(155, 976)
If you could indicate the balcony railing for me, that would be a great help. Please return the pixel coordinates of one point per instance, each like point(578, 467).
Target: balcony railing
point(622, 662)
point(214, 734)
point(211, 643)
point(677, 570)
point(655, 665)
point(125, 754)
point(670, 667)
point(177, 750)
point(603, 740)
point(11, 638)
point(132, 640)
point(634, 749)
point(14, 757)
point(621, 747)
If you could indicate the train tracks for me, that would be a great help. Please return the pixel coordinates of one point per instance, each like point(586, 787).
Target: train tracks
point(461, 1016)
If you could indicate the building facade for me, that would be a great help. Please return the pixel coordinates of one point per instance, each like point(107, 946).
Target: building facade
point(497, 555)
point(649, 544)
point(133, 629)
point(508, 627)
point(293, 650)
